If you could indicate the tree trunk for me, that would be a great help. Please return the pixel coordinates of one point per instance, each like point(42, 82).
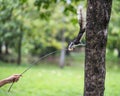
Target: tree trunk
point(19, 48)
point(118, 53)
point(6, 48)
point(0, 51)
point(62, 57)
point(0, 48)
point(98, 15)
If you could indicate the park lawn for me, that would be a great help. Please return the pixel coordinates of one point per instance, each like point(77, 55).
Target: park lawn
point(50, 80)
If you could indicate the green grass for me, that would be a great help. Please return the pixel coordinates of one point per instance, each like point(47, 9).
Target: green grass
point(44, 80)
point(49, 80)
point(112, 83)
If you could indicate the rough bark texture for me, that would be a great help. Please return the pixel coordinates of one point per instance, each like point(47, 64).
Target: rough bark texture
point(98, 15)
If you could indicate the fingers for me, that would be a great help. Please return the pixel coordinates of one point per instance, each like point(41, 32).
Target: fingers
point(16, 77)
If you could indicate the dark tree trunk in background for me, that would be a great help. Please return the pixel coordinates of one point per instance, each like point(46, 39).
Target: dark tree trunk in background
point(98, 15)
point(19, 48)
point(118, 53)
point(6, 48)
point(0, 48)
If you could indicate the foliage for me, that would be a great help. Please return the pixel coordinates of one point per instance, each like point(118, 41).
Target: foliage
point(42, 23)
point(46, 31)
point(11, 24)
point(114, 30)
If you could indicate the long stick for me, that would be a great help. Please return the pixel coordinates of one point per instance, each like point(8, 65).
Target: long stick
point(10, 87)
point(33, 65)
point(40, 60)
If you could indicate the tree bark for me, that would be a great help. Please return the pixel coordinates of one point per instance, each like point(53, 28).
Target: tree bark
point(98, 16)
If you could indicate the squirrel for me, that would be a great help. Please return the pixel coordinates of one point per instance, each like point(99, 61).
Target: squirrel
point(81, 31)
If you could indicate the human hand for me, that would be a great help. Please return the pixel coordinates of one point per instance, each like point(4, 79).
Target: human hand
point(13, 78)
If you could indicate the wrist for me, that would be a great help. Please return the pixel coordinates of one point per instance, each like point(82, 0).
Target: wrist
point(3, 82)
point(6, 81)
